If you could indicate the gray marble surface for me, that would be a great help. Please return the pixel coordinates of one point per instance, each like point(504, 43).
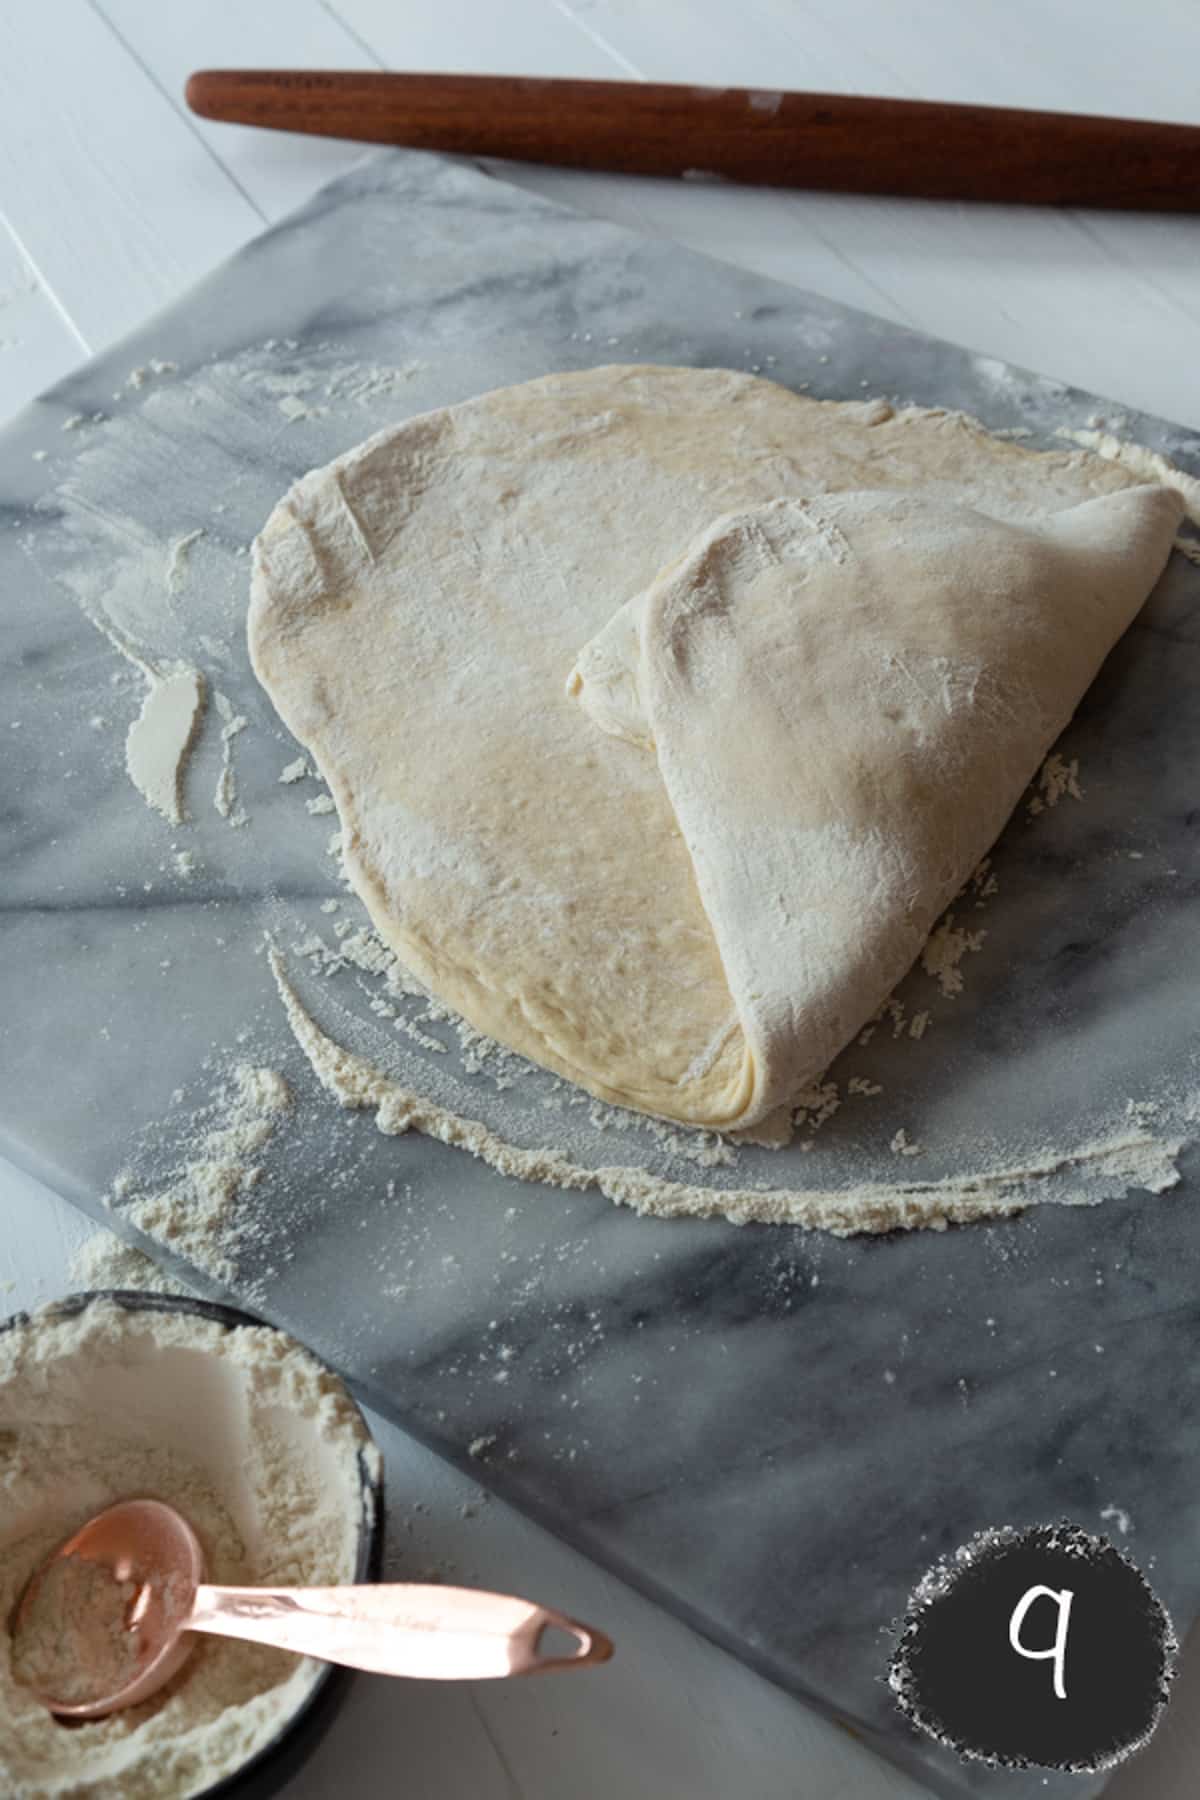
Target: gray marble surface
point(772, 1432)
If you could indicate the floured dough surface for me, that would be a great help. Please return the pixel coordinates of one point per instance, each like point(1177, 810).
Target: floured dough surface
point(419, 604)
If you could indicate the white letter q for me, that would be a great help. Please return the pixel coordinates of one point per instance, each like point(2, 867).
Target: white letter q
point(1063, 1600)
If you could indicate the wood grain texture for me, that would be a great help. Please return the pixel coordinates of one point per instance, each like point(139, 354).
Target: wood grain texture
point(109, 190)
point(37, 341)
point(836, 143)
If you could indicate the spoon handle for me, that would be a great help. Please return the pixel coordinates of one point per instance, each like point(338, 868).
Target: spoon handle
point(436, 1633)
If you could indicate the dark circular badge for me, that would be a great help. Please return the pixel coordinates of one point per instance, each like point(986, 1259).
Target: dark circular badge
point(1043, 1648)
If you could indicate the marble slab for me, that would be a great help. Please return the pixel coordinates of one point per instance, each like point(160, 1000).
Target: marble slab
point(771, 1431)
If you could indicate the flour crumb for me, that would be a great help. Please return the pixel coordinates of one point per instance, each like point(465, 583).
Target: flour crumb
point(295, 771)
point(918, 1025)
point(944, 952)
point(138, 378)
point(294, 408)
point(814, 1105)
point(1055, 779)
point(177, 558)
point(983, 885)
point(319, 805)
point(225, 794)
point(1116, 1515)
point(893, 1009)
point(900, 1145)
point(858, 1084)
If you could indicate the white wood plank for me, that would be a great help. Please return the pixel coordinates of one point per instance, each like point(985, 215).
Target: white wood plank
point(37, 344)
point(34, 1258)
point(750, 45)
point(508, 37)
point(277, 170)
point(116, 201)
point(1070, 55)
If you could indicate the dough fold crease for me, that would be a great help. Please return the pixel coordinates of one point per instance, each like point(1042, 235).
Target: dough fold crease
point(846, 698)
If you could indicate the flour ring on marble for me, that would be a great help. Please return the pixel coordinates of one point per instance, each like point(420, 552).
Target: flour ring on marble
point(664, 710)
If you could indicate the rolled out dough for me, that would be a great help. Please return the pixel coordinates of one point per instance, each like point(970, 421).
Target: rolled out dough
point(665, 710)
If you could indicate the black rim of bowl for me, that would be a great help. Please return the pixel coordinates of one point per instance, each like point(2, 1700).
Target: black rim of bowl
point(264, 1771)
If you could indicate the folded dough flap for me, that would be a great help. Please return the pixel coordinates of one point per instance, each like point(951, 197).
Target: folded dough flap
point(847, 696)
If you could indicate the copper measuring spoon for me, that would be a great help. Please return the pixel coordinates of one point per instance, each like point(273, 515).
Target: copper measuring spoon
point(400, 1628)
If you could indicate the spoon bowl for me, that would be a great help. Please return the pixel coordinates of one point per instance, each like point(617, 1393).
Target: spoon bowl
point(152, 1545)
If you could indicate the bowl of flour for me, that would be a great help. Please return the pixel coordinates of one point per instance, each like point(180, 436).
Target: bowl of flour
point(113, 1395)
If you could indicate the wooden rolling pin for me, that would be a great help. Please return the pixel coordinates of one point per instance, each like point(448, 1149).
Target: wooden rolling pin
point(835, 142)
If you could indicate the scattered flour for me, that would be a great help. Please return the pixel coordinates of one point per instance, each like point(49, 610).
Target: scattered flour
point(1055, 779)
point(225, 796)
point(105, 1261)
point(900, 1145)
point(1130, 1157)
point(139, 377)
point(177, 559)
point(942, 955)
point(303, 394)
point(196, 1208)
point(983, 885)
point(816, 1104)
point(295, 771)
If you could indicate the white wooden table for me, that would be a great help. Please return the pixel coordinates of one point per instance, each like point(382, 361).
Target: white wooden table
point(115, 199)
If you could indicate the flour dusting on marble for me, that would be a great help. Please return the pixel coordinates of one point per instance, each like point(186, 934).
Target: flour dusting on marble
point(177, 559)
point(196, 1207)
point(1083, 1175)
point(225, 794)
point(129, 579)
